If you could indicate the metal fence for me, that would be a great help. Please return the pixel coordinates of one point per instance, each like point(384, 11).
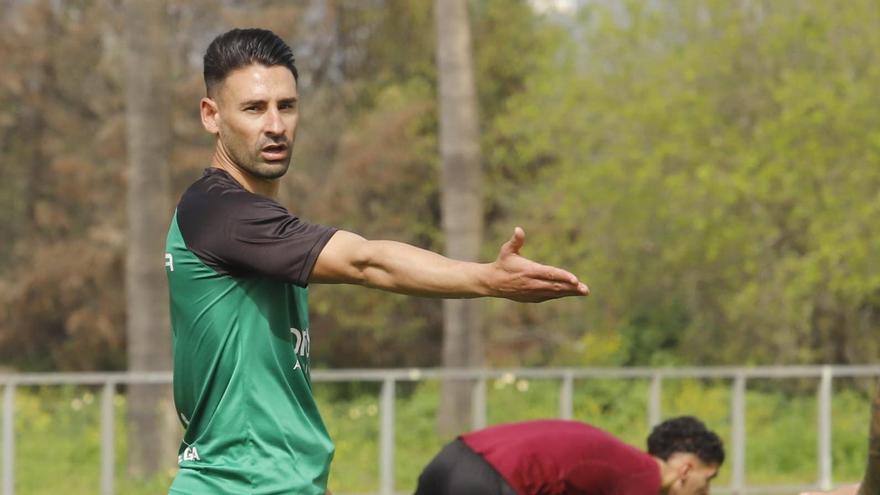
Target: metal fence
point(389, 379)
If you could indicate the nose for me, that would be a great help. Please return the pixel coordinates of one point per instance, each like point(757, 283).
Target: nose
point(274, 123)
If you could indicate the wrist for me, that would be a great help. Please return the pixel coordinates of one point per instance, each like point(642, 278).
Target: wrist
point(486, 285)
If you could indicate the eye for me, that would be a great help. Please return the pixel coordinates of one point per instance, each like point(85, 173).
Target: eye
point(253, 107)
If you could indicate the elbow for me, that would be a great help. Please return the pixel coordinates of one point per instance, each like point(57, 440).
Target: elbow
point(363, 267)
point(372, 266)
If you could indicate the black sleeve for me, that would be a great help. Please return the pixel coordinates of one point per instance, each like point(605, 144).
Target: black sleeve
point(243, 234)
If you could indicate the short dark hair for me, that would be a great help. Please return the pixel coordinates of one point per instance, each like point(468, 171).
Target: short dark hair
point(685, 434)
point(242, 47)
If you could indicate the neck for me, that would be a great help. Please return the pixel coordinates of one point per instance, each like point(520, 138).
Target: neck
point(668, 476)
point(256, 185)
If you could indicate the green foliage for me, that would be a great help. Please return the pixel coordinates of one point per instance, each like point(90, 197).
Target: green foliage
point(58, 444)
point(711, 169)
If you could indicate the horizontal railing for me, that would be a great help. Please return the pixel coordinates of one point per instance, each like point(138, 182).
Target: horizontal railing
point(390, 377)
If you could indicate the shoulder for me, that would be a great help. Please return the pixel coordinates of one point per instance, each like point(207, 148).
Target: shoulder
point(218, 197)
point(237, 232)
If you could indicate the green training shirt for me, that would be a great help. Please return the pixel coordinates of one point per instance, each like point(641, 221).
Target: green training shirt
point(237, 266)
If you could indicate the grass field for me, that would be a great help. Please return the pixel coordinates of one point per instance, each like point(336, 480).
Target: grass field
point(58, 431)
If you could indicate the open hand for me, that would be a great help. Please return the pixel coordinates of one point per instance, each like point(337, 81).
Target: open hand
point(521, 279)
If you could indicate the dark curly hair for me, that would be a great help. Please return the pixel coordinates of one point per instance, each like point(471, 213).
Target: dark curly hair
point(242, 47)
point(685, 434)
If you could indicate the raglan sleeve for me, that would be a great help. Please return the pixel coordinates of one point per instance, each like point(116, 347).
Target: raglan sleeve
point(255, 236)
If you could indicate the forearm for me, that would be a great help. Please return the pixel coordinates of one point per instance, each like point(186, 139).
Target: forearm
point(348, 258)
point(406, 269)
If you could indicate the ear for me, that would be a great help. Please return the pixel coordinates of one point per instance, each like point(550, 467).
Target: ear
point(684, 469)
point(210, 113)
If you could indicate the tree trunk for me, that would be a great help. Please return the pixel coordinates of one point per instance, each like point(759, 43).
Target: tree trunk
point(152, 446)
point(32, 122)
point(462, 201)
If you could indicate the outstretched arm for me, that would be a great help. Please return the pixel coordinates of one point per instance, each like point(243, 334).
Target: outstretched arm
point(397, 267)
point(870, 484)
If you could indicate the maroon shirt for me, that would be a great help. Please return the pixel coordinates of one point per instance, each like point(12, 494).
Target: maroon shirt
point(555, 457)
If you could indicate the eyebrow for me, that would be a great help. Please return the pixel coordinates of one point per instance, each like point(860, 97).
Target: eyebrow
point(292, 99)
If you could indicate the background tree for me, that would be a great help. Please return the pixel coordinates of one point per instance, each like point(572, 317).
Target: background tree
point(148, 123)
point(710, 168)
point(462, 200)
point(62, 228)
point(700, 159)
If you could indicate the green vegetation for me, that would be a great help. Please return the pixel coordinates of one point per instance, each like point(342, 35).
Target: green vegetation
point(58, 434)
point(712, 169)
point(58, 444)
point(709, 167)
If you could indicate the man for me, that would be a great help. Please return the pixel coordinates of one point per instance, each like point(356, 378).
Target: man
point(238, 265)
point(870, 484)
point(556, 457)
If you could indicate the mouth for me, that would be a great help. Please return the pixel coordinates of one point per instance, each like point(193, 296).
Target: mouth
point(274, 152)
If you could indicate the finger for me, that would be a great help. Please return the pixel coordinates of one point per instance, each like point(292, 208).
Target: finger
point(516, 241)
point(538, 286)
point(553, 274)
point(578, 287)
point(566, 276)
point(540, 296)
point(547, 272)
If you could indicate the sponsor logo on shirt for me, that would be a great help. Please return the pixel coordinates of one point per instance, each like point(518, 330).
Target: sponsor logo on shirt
point(189, 454)
point(169, 262)
point(301, 345)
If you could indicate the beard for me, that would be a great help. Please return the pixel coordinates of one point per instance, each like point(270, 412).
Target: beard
point(265, 170)
point(252, 163)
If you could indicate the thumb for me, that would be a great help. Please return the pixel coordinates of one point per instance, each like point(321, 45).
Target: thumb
point(515, 243)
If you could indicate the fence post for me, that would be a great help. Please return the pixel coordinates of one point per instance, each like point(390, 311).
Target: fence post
point(824, 416)
point(108, 452)
point(478, 404)
point(655, 413)
point(566, 394)
point(9, 439)
point(386, 440)
point(738, 434)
